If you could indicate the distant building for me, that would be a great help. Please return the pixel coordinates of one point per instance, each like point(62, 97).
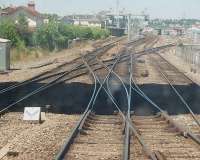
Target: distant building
point(119, 24)
point(88, 22)
point(82, 20)
point(34, 18)
point(67, 20)
point(194, 33)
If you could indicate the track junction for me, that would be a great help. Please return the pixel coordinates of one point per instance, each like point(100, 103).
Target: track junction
point(122, 134)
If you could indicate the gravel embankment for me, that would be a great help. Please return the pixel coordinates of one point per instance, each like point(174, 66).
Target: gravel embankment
point(35, 141)
point(187, 121)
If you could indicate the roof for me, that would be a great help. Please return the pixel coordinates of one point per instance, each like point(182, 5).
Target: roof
point(4, 40)
point(11, 10)
point(88, 20)
point(194, 29)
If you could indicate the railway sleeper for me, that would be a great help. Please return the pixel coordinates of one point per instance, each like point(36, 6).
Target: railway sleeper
point(183, 131)
point(159, 155)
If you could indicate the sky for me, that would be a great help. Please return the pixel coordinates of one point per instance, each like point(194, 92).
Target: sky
point(155, 8)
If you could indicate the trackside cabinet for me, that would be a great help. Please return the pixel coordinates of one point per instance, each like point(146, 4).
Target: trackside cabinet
point(4, 54)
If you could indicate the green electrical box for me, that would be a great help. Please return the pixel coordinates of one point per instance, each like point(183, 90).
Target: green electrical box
point(4, 54)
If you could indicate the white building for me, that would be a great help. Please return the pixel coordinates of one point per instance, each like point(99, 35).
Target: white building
point(194, 34)
point(87, 22)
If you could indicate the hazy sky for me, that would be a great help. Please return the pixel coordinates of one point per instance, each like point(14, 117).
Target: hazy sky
point(156, 8)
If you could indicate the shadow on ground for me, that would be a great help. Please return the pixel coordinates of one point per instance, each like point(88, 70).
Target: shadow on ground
point(73, 98)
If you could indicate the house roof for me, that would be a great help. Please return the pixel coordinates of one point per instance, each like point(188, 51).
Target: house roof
point(12, 10)
point(194, 29)
point(4, 40)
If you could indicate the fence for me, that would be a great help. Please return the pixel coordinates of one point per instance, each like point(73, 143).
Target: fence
point(190, 53)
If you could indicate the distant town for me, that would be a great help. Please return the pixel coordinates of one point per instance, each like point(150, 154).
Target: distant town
point(116, 23)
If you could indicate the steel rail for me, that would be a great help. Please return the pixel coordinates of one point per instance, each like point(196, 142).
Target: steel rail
point(78, 126)
point(48, 85)
point(114, 101)
point(150, 50)
point(189, 79)
point(126, 155)
point(184, 131)
point(177, 93)
point(76, 130)
point(44, 87)
point(126, 149)
point(37, 78)
point(149, 153)
point(108, 75)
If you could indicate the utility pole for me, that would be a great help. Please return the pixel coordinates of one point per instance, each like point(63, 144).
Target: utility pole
point(117, 13)
point(129, 27)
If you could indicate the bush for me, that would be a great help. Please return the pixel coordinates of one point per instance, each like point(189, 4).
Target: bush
point(45, 36)
point(23, 31)
point(53, 36)
point(67, 31)
point(49, 36)
point(99, 33)
point(83, 32)
point(8, 31)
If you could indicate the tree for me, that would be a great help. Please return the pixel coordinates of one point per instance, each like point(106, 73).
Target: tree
point(67, 31)
point(23, 30)
point(51, 17)
point(8, 31)
point(99, 33)
point(22, 23)
point(83, 32)
point(48, 36)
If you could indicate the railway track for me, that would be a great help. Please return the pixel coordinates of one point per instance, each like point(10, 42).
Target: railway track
point(173, 77)
point(78, 69)
point(164, 139)
point(52, 78)
point(60, 69)
point(69, 150)
point(167, 138)
point(172, 73)
point(65, 150)
point(101, 137)
point(121, 136)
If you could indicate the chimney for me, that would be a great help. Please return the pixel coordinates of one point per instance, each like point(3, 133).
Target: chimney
point(31, 5)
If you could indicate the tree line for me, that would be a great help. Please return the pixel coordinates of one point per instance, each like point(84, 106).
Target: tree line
point(166, 23)
point(51, 36)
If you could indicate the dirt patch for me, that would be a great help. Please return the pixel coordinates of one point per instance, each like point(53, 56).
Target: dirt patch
point(26, 69)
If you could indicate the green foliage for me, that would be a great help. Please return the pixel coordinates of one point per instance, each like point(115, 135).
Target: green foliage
point(22, 23)
point(45, 36)
point(83, 32)
point(56, 35)
point(165, 23)
point(22, 28)
point(67, 31)
point(100, 33)
point(49, 36)
point(8, 31)
point(51, 17)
